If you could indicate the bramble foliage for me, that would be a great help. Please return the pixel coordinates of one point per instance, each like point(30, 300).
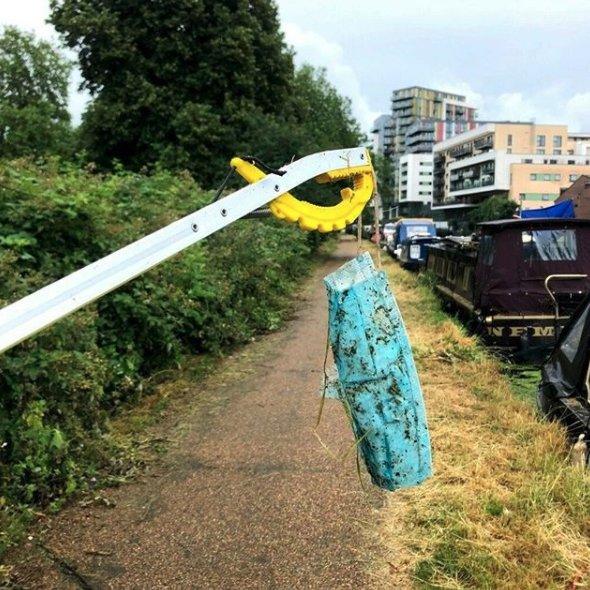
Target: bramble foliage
point(34, 119)
point(59, 388)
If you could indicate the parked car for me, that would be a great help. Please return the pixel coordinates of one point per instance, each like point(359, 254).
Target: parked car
point(367, 231)
point(388, 232)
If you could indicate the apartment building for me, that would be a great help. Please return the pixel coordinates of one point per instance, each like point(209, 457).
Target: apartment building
point(381, 129)
point(420, 117)
point(424, 133)
point(415, 186)
point(526, 162)
point(409, 105)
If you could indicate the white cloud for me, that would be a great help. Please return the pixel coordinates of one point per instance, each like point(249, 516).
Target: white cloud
point(553, 104)
point(512, 106)
point(316, 50)
point(577, 111)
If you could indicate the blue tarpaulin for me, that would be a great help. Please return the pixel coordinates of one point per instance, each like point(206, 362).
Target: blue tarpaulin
point(563, 210)
point(378, 382)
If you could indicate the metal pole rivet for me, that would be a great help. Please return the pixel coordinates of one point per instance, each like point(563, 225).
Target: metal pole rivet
point(224, 212)
point(277, 188)
point(194, 227)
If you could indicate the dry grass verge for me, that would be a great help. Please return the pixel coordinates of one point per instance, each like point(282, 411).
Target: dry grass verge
point(504, 509)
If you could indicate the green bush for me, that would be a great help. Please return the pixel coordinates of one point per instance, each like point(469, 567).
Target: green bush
point(59, 388)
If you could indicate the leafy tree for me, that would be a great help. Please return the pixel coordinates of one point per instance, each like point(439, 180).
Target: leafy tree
point(384, 172)
point(326, 114)
point(174, 80)
point(496, 207)
point(34, 119)
point(315, 117)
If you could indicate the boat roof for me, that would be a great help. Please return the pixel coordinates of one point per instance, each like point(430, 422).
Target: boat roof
point(416, 220)
point(534, 223)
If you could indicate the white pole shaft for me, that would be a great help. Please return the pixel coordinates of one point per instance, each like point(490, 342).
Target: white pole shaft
point(35, 312)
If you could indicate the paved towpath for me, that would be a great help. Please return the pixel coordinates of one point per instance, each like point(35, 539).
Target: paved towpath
point(246, 498)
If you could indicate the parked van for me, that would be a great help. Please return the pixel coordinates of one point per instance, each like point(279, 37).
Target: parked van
point(408, 228)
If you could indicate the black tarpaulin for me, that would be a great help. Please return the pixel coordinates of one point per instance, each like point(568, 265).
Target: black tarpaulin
point(565, 370)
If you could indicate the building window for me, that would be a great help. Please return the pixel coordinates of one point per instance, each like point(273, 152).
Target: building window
point(574, 177)
point(508, 150)
point(571, 162)
point(540, 141)
point(509, 142)
point(545, 177)
point(556, 141)
point(557, 152)
point(552, 161)
point(527, 161)
point(540, 152)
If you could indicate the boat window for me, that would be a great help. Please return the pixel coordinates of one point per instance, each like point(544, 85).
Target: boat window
point(486, 247)
point(549, 245)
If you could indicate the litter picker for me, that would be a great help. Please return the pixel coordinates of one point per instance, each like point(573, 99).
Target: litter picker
point(37, 311)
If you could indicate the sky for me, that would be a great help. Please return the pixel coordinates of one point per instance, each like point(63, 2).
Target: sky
point(513, 59)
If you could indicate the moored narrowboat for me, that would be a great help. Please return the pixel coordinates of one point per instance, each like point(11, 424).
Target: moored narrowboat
point(518, 279)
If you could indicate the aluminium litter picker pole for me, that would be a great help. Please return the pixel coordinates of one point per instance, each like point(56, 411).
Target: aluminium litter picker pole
point(33, 313)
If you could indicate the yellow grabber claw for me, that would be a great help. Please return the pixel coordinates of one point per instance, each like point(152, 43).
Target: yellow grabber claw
point(315, 217)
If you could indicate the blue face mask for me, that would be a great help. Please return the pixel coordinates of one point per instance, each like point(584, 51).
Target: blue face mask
point(378, 382)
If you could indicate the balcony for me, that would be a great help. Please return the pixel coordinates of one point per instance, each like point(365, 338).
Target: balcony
point(484, 143)
point(401, 102)
point(460, 151)
point(419, 137)
point(420, 148)
point(468, 183)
